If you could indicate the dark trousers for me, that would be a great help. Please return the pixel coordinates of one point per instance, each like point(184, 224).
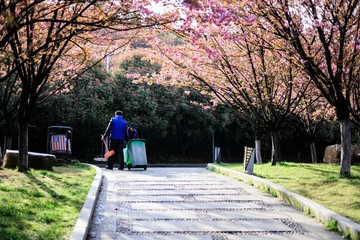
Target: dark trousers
point(116, 145)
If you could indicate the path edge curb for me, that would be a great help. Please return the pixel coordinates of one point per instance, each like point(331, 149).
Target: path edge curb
point(326, 216)
point(83, 222)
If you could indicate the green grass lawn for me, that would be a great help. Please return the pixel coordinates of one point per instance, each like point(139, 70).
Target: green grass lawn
point(42, 204)
point(318, 182)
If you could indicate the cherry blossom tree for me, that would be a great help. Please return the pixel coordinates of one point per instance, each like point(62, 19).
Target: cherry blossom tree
point(324, 37)
point(9, 102)
point(355, 99)
point(316, 111)
point(246, 70)
point(39, 35)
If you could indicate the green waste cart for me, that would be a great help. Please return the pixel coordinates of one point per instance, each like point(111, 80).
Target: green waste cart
point(135, 154)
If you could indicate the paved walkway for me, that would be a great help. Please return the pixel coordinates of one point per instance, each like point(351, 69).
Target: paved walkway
point(193, 203)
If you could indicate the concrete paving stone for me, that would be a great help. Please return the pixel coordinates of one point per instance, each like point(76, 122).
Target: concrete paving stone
point(164, 237)
point(272, 237)
point(229, 197)
point(108, 235)
point(198, 214)
point(150, 198)
point(173, 186)
point(236, 205)
point(167, 181)
point(246, 214)
point(214, 236)
point(158, 215)
point(213, 225)
point(193, 203)
point(164, 192)
point(196, 182)
point(182, 197)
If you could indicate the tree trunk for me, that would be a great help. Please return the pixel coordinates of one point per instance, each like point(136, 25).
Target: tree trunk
point(258, 151)
point(228, 152)
point(7, 143)
point(313, 152)
point(274, 148)
point(213, 144)
point(23, 145)
point(8, 134)
point(183, 149)
point(345, 160)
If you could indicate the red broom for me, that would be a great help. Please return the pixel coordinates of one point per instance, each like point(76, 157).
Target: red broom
point(107, 152)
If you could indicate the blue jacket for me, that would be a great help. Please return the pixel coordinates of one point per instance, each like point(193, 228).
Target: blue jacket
point(116, 128)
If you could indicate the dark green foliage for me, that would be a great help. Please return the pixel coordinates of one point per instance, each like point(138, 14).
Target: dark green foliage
point(177, 123)
point(173, 123)
point(138, 65)
point(84, 108)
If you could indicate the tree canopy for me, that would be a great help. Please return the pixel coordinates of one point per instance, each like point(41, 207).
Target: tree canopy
point(270, 62)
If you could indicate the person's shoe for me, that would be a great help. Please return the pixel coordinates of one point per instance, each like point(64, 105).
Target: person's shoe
point(108, 168)
point(121, 169)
